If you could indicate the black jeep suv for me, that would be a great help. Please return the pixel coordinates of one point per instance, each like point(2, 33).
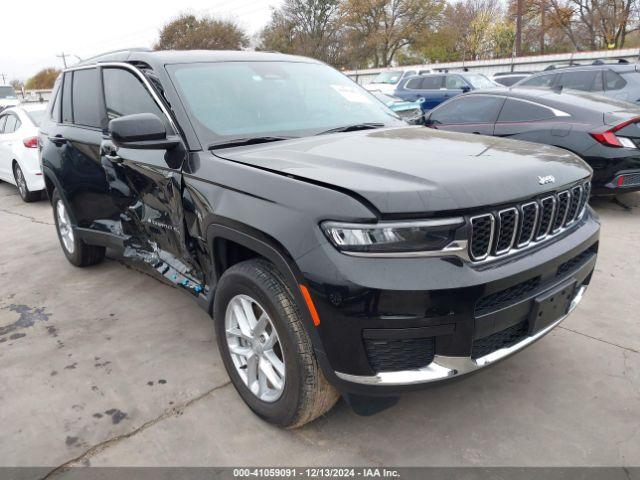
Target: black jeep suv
point(338, 249)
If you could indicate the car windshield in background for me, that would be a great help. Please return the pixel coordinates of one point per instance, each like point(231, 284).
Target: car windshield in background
point(8, 92)
point(479, 81)
point(284, 99)
point(36, 116)
point(390, 78)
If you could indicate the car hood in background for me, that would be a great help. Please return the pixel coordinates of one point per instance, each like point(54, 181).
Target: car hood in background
point(417, 169)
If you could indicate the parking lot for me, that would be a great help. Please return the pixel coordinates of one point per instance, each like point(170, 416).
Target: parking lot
point(107, 366)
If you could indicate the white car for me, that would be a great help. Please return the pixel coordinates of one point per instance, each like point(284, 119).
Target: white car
point(387, 81)
point(8, 97)
point(19, 163)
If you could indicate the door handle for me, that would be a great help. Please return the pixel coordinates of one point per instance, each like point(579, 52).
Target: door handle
point(113, 158)
point(57, 140)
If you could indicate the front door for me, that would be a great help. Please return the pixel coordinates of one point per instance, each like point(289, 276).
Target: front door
point(146, 191)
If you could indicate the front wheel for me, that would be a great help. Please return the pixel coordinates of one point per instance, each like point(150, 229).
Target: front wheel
point(265, 347)
point(77, 252)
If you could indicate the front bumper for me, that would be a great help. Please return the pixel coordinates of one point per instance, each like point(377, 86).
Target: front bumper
point(436, 318)
point(444, 367)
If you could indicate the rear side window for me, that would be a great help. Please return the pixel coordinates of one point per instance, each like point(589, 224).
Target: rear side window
point(613, 81)
point(413, 84)
point(56, 105)
point(125, 94)
point(431, 82)
point(578, 80)
point(86, 96)
point(539, 81)
point(3, 120)
point(67, 111)
point(471, 109)
point(12, 124)
point(519, 111)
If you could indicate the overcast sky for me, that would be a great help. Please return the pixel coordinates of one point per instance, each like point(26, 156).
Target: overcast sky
point(34, 32)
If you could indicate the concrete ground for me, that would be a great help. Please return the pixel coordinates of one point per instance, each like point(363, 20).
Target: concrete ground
point(107, 366)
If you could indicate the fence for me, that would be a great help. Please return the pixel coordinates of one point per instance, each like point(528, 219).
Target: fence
point(489, 67)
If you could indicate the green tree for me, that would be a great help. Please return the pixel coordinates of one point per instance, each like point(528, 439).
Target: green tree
point(43, 80)
point(188, 32)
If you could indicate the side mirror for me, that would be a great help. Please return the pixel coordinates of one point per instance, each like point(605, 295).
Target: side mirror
point(466, 89)
point(141, 131)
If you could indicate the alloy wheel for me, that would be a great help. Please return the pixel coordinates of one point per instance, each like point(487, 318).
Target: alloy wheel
point(64, 227)
point(255, 348)
point(21, 182)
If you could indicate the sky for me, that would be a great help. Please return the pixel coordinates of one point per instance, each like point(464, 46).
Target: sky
point(34, 34)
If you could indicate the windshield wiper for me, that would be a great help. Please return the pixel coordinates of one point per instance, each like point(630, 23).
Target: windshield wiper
point(239, 142)
point(353, 128)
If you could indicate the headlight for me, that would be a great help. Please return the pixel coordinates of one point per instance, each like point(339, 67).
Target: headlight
point(394, 238)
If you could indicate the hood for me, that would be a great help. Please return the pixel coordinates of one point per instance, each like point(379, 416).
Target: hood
point(418, 169)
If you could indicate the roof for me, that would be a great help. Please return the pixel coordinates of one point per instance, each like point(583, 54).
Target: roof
point(166, 57)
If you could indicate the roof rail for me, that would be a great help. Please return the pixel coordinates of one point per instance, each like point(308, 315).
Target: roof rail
point(112, 52)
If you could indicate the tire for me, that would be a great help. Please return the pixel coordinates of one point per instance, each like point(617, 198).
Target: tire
point(23, 189)
point(77, 252)
point(306, 394)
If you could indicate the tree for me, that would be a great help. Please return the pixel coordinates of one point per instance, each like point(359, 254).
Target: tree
point(306, 27)
point(16, 84)
point(379, 30)
point(43, 80)
point(188, 32)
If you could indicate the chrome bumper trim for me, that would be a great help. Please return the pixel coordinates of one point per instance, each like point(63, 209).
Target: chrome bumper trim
point(444, 367)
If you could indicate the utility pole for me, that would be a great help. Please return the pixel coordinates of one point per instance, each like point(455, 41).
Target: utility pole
point(63, 56)
point(543, 8)
point(4, 78)
point(519, 28)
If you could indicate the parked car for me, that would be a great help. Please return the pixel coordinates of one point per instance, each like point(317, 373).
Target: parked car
point(386, 82)
point(8, 97)
point(436, 88)
point(620, 81)
point(509, 79)
point(410, 112)
point(339, 250)
point(603, 132)
point(19, 162)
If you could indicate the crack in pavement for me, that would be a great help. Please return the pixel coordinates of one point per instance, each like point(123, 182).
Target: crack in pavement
point(100, 447)
point(599, 339)
point(28, 217)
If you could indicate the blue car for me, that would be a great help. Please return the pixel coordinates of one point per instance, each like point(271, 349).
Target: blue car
point(438, 87)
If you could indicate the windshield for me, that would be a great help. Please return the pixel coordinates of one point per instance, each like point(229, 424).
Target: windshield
point(7, 92)
point(36, 116)
point(479, 81)
point(390, 78)
point(248, 99)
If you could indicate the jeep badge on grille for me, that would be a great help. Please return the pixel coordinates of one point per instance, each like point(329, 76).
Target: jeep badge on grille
point(547, 179)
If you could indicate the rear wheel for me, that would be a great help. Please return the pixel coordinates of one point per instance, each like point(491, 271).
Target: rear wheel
point(265, 347)
point(77, 252)
point(23, 189)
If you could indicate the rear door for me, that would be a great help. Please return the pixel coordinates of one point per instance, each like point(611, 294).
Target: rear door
point(583, 80)
point(4, 151)
point(145, 190)
point(470, 114)
point(432, 89)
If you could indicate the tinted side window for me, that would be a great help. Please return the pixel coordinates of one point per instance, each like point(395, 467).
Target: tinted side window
point(431, 82)
point(86, 98)
point(455, 82)
point(3, 120)
point(577, 80)
point(413, 84)
point(613, 81)
point(539, 81)
point(125, 94)
point(471, 109)
point(518, 111)
point(12, 124)
point(67, 111)
point(56, 105)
